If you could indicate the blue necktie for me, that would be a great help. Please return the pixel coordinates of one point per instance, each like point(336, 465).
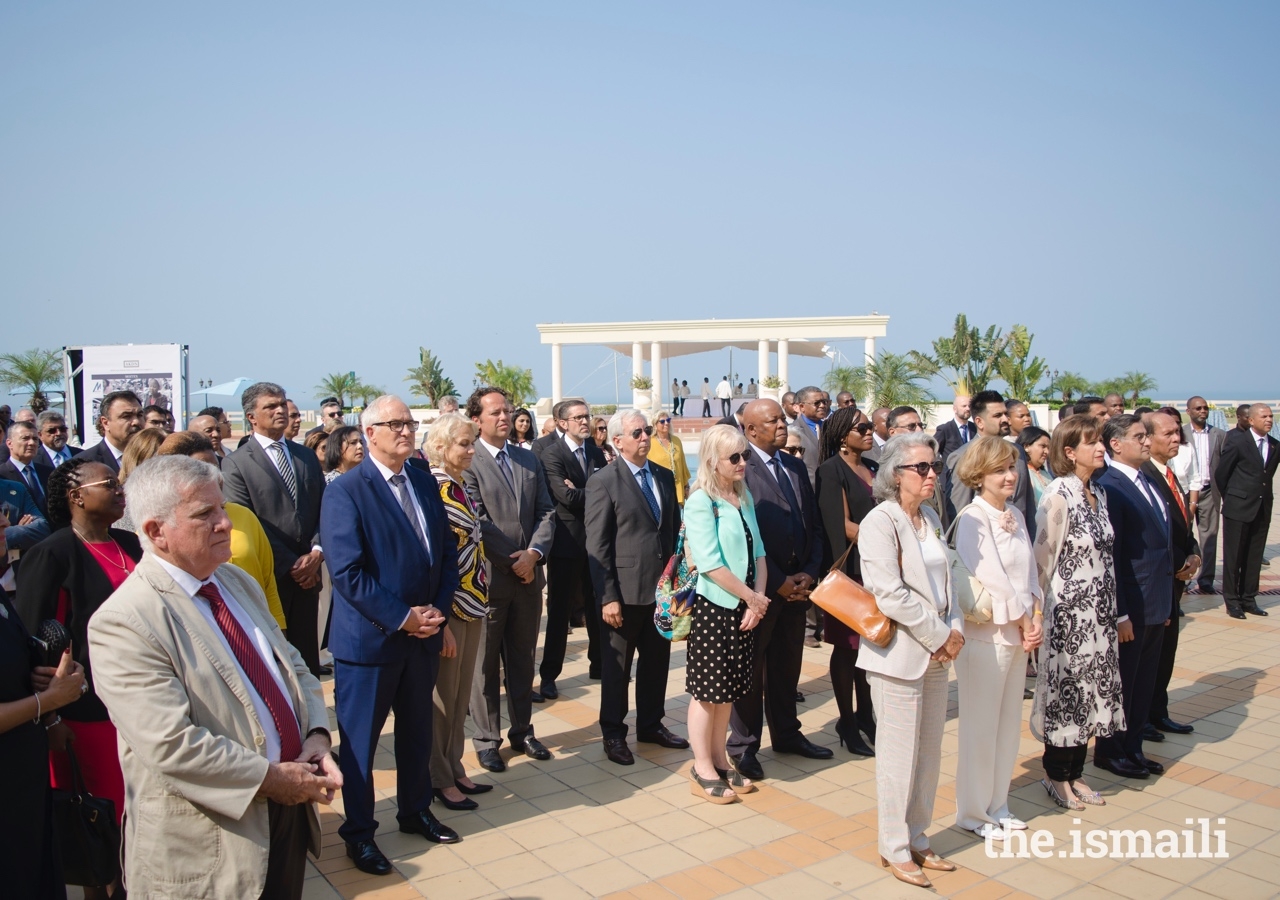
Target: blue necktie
point(789, 492)
point(649, 496)
point(402, 489)
point(34, 484)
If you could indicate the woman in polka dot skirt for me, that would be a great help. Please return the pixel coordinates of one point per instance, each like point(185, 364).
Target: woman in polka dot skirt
point(723, 542)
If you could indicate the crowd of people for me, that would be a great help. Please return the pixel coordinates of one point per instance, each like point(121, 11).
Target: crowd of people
point(200, 614)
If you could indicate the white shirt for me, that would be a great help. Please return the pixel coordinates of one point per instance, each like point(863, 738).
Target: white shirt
point(768, 464)
point(387, 475)
point(1186, 465)
point(57, 459)
point(190, 584)
point(1141, 484)
point(1200, 441)
point(1260, 441)
point(880, 442)
point(1005, 564)
point(724, 390)
point(653, 484)
point(266, 444)
point(706, 390)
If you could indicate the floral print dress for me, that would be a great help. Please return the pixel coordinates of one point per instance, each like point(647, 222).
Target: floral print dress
point(1078, 693)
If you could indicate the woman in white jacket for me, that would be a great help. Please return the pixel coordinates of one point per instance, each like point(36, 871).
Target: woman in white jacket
point(994, 545)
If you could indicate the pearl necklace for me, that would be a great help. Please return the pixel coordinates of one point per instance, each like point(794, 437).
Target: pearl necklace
point(923, 531)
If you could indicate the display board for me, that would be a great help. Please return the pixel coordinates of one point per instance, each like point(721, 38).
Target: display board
point(157, 373)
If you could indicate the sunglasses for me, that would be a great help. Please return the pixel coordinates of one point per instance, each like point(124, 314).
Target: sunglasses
point(863, 427)
point(794, 451)
point(735, 458)
point(111, 483)
point(922, 468)
point(635, 434)
point(663, 421)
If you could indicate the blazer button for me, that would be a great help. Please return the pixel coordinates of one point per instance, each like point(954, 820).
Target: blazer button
point(259, 739)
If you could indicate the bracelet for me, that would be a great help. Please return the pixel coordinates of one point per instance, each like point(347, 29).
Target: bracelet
point(39, 713)
point(57, 720)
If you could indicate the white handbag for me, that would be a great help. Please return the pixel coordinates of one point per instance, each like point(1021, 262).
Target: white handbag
point(972, 596)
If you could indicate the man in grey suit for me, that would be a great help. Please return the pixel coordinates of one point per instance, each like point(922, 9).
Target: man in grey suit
point(632, 519)
point(992, 419)
point(1206, 501)
point(119, 418)
point(282, 483)
point(517, 522)
point(814, 404)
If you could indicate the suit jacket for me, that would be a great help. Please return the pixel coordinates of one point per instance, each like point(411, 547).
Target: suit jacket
point(21, 503)
point(1241, 477)
point(545, 441)
point(101, 452)
point(9, 472)
point(948, 437)
point(378, 566)
point(893, 569)
point(792, 544)
point(958, 495)
point(1216, 438)
point(559, 463)
point(251, 479)
point(191, 745)
point(1182, 533)
point(47, 458)
point(627, 548)
point(62, 562)
point(1143, 551)
point(511, 521)
point(812, 449)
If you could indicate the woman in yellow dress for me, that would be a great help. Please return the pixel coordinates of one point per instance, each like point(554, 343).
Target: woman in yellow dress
point(666, 450)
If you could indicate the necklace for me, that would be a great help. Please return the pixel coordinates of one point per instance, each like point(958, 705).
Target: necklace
point(94, 550)
point(923, 531)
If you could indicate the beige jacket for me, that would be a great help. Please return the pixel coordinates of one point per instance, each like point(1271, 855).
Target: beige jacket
point(191, 747)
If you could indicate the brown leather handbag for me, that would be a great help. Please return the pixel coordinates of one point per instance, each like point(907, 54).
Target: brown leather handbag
point(840, 596)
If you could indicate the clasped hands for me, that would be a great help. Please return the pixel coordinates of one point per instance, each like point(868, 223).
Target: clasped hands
point(423, 621)
point(312, 778)
point(306, 569)
point(795, 588)
point(1032, 629)
point(757, 606)
point(1189, 569)
point(949, 650)
point(524, 564)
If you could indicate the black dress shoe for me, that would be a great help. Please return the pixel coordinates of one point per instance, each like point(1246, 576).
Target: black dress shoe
point(1149, 733)
point(368, 858)
point(492, 760)
point(799, 696)
point(664, 737)
point(802, 746)
point(1235, 613)
point(617, 751)
point(1125, 768)
point(549, 690)
point(532, 748)
point(1207, 588)
point(475, 788)
point(747, 765)
point(1151, 765)
point(430, 828)
point(535, 697)
point(1255, 610)
point(322, 671)
point(1167, 724)
point(466, 803)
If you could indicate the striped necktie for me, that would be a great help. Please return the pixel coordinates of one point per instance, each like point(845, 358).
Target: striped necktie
point(286, 470)
point(649, 496)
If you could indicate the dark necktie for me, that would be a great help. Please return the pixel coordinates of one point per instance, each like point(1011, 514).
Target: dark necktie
point(286, 470)
point(1262, 448)
point(649, 496)
point(1148, 489)
point(29, 473)
point(582, 459)
point(402, 494)
point(789, 492)
point(255, 669)
point(505, 466)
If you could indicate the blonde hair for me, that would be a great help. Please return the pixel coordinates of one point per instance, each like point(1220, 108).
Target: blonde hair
point(985, 455)
point(444, 434)
point(718, 442)
point(141, 447)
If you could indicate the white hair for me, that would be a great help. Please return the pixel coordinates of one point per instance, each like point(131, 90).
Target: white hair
point(375, 410)
point(156, 488)
point(444, 434)
point(885, 486)
point(618, 421)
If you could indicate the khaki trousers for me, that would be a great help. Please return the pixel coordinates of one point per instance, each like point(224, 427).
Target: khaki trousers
point(452, 694)
point(992, 677)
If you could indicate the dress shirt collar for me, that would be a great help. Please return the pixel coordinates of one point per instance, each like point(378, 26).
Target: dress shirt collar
point(181, 577)
point(635, 470)
point(265, 442)
point(879, 441)
point(387, 474)
point(118, 454)
point(1160, 467)
point(812, 424)
point(761, 455)
point(493, 451)
point(1128, 471)
point(574, 444)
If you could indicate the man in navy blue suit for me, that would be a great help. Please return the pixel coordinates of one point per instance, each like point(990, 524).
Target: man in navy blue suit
point(394, 565)
point(1143, 553)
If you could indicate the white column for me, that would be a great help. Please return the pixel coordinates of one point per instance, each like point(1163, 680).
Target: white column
point(655, 369)
point(557, 375)
point(637, 368)
point(764, 362)
point(868, 359)
point(784, 364)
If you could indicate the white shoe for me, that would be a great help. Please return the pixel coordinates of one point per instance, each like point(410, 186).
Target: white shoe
point(1013, 823)
point(988, 830)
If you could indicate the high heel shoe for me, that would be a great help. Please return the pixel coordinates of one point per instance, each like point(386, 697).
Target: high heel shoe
point(714, 790)
point(848, 734)
point(1066, 803)
point(917, 878)
point(1092, 798)
point(735, 780)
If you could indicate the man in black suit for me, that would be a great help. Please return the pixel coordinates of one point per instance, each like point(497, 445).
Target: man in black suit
point(542, 442)
point(282, 483)
point(25, 464)
point(957, 432)
point(1166, 437)
point(1244, 475)
point(791, 529)
point(52, 428)
point(1206, 501)
point(569, 463)
point(119, 419)
point(631, 522)
point(1143, 556)
point(991, 417)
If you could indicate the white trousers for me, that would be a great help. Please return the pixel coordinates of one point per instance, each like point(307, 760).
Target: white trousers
point(910, 717)
point(992, 677)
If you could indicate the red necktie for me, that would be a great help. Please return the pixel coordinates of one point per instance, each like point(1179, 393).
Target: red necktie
point(1177, 493)
point(247, 655)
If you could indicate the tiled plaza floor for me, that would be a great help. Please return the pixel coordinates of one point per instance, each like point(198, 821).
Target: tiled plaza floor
point(580, 826)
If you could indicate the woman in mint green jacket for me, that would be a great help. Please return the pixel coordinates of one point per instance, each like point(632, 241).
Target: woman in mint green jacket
point(723, 542)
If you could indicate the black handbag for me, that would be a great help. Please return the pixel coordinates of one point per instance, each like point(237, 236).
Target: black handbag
point(49, 642)
point(85, 829)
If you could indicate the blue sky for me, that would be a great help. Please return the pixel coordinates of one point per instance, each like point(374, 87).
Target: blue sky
point(295, 189)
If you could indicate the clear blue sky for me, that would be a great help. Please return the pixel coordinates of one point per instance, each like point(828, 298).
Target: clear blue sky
point(294, 189)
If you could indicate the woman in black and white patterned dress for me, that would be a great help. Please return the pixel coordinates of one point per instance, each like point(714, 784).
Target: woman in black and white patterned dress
point(1078, 685)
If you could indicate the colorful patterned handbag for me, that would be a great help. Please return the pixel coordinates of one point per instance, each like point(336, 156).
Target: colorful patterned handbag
point(673, 614)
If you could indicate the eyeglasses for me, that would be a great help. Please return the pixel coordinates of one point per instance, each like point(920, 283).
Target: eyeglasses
point(863, 427)
point(910, 426)
point(601, 428)
point(664, 421)
point(55, 429)
point(794, 451)
point(113, 484)
point(582, 418)
point(923, 468)
point(820, 402)
point(735, 458)
point(411, 425)
point(635, 434)
point(336, 414)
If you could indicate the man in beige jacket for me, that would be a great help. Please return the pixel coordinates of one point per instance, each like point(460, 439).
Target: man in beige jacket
point(223, 730)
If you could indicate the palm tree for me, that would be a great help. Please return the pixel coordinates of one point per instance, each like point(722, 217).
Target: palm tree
point(843, 378)
point(1137, 383)
point(517, 382)
point(32, 371)
point(338, 384)
point(1020, 373)
point(427, 379)
point(366, 392)
point(1068, 384)
point(968, 354)
point(892, 380)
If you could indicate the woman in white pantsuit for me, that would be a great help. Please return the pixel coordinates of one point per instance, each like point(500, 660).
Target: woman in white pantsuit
point(905, 566)
point(993, 543)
